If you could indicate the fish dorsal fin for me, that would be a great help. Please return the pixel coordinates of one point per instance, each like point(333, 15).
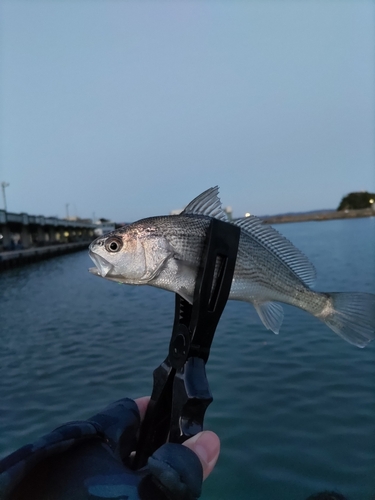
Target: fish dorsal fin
point(207, 203)
point(279, 246)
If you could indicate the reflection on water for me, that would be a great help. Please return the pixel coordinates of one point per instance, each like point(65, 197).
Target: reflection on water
point(295, 411)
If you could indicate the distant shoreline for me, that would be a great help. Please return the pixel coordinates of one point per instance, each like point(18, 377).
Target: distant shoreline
point(318, 216)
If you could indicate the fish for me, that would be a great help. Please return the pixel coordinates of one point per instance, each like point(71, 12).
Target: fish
point(165, 252)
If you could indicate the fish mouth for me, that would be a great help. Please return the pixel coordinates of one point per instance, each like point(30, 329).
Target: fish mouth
point(103, 267)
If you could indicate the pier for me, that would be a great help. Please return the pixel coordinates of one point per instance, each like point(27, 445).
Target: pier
point(25, 238)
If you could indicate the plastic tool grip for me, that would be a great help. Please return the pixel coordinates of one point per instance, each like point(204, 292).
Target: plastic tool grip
point(181, 392)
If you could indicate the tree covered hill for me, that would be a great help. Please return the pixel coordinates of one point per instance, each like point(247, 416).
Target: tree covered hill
point(354, 201)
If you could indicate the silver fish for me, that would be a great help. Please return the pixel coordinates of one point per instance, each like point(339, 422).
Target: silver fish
point(165, 252)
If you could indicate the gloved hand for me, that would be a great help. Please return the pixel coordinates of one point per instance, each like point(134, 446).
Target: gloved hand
point(92, 460)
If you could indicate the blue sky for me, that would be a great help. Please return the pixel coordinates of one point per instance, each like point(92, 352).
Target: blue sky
point(129, 109)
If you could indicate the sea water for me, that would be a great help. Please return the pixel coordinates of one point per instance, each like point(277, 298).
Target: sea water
point(295, 412)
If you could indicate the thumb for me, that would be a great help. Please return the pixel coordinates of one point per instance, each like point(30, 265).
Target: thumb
point(206, 445)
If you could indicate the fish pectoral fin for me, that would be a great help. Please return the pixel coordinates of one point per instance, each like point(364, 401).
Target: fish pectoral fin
point(271, 314)
point(150, 275)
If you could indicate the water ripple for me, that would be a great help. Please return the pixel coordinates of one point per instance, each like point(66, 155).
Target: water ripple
point(295, 411)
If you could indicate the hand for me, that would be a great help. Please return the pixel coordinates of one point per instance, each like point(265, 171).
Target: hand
point(92, 459)
point(206, 444)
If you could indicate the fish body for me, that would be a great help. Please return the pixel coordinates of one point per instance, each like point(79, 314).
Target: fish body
point(165, 252)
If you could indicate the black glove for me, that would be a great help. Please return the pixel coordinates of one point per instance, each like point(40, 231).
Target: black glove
point(91, 460)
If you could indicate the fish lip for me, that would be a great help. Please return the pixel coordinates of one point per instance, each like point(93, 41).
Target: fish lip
point(103, 267)
point(94, 271)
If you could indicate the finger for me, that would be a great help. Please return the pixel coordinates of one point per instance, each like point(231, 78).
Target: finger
point(142, 404)
point(119, 422)
point(206, 445)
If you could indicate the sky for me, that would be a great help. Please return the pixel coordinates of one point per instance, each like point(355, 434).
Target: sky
point(128, 109)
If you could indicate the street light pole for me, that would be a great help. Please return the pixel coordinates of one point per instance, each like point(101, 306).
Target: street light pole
point(3, 186)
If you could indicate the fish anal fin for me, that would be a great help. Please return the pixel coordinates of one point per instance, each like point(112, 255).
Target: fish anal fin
point(271, 314)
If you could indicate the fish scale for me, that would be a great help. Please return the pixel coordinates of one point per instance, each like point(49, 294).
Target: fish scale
point(165, 252)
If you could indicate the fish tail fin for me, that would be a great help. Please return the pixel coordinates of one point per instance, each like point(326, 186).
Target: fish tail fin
point(351, 315)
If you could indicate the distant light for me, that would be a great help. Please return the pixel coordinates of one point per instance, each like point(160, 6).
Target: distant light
point(247, 214)
point(66, 234)
point(371, 201)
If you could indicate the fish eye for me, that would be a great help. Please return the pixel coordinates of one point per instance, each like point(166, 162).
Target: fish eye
point(113, 244)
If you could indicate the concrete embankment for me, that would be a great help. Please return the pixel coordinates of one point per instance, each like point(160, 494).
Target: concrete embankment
point(13, 258)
